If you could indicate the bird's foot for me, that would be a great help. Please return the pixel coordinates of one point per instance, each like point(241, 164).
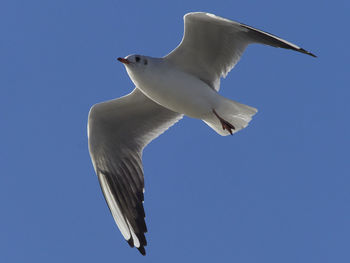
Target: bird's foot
point(225, 124)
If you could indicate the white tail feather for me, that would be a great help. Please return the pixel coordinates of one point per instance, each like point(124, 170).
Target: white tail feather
point(237, 114)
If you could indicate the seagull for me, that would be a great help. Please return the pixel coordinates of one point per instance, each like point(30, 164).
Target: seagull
point(184, 82)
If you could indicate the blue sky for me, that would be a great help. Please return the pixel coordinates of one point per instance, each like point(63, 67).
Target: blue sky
point(277, 191)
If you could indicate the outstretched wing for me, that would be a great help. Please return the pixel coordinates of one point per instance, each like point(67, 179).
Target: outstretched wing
point(118, 130)
point(212, 46)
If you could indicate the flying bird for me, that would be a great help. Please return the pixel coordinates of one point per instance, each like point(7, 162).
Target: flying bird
point(184, 82)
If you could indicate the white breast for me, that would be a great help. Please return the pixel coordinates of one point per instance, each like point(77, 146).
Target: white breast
point(176, 90)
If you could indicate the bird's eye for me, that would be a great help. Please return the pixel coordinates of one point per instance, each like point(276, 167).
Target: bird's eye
point(137, 59)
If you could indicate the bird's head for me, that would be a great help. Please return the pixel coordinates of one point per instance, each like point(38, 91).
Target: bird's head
point(134, 61)
point(137, 66)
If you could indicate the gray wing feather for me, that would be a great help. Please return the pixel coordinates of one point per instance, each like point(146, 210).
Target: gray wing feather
point(118, 130)
point(211, 46)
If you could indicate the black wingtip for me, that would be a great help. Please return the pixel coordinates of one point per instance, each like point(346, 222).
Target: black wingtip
point(130, 242)
point(142, 250)
point(307, 52)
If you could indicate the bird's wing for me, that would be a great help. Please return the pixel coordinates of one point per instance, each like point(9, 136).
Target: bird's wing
point(211, 46)
point(118, 130)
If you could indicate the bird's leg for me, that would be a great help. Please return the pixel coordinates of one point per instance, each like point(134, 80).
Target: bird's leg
point(225, 124)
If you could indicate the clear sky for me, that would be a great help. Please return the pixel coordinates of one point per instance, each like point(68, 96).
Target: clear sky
point(278, 191)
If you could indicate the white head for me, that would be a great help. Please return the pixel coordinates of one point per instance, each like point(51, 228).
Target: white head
point(137, 66)
point(134, 60)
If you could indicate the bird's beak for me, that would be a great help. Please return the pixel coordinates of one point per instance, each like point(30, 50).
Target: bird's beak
point(124, 60)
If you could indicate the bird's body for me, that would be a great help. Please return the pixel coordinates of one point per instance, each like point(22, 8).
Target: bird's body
point(182, 92)
point(185, 82)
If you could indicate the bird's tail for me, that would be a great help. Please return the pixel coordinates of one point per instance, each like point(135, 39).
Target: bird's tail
point(236, 114)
